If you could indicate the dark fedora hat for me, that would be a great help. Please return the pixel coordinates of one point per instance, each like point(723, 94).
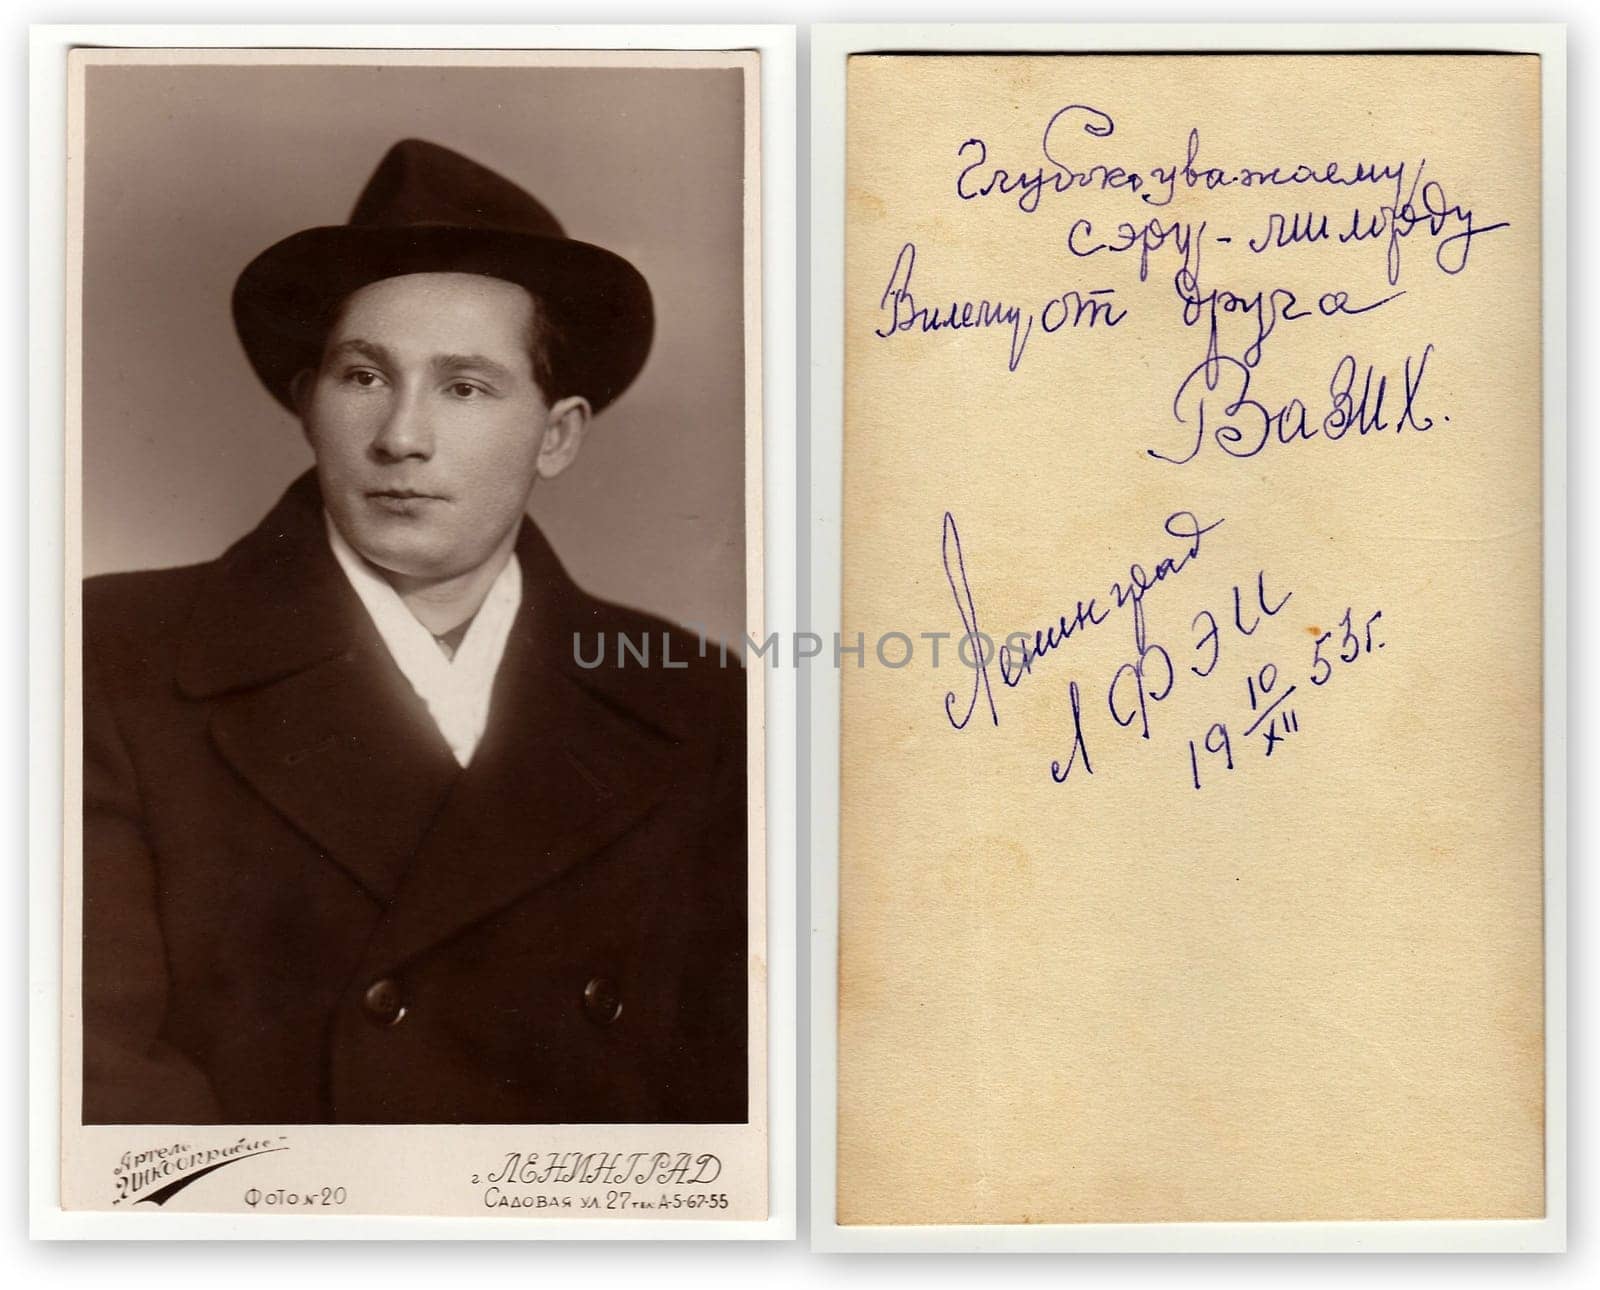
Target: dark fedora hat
point(427, 209)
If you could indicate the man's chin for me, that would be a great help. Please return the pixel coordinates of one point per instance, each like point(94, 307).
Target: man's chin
point(415, 550)
point(411, 561)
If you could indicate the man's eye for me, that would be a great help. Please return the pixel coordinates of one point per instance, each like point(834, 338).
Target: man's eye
point(363, 377)
point(464, 390)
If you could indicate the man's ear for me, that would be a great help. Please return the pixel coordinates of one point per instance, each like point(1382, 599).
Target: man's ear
point(564, 429)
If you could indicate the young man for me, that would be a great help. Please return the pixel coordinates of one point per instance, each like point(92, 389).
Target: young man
point(363, 840)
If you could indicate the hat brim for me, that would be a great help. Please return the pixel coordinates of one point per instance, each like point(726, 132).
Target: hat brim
point(287, 297)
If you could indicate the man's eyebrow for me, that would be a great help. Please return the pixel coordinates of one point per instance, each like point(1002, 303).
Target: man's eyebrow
point(362, 349)
point(473, 363)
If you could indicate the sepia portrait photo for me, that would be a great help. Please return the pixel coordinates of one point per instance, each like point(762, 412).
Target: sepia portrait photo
point(414, 416)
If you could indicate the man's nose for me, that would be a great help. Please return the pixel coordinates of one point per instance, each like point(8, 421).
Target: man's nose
point(406, 431)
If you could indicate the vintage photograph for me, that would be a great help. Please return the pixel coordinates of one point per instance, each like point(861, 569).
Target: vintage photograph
point(418, 419)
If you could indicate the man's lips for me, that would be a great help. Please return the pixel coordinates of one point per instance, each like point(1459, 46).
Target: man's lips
point(403, 502)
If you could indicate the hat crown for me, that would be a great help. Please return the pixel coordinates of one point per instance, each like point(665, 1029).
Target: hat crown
point(422, 183)
point(427, 209)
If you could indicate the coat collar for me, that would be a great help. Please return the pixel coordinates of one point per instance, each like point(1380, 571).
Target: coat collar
point(277, 604)
point(310, 709)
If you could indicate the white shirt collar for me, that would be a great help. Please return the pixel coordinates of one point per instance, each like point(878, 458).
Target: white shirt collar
point(455, 690)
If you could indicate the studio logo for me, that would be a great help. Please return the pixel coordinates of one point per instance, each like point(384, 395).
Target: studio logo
point(155, 1175)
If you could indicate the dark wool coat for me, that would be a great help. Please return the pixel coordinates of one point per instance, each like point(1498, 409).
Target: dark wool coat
point(299, 909)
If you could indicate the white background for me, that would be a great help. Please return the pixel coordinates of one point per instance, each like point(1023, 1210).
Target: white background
point(774, 1266)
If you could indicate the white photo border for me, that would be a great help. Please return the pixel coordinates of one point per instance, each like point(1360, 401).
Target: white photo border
point(776, 45)
point(831, 47)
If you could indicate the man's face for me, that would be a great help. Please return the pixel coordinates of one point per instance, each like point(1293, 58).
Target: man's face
point(426, 422)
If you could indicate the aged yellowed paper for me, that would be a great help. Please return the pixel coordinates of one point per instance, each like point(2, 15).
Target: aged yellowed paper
point(1190, 826)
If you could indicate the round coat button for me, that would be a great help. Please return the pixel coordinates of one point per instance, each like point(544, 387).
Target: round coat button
point(382, 1002)
point(602, 1001)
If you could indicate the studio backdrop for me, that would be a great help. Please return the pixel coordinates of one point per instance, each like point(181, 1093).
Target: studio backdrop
point(191, 170)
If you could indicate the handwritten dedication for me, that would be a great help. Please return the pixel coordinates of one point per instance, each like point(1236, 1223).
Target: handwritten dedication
point(1190, 850)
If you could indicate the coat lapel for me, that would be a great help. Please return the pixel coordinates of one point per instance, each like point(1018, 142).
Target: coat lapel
point(308, 706)
point(310, 709)
point(563, 770)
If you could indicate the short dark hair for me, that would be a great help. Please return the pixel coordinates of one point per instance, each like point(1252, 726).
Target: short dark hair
point(546, 350)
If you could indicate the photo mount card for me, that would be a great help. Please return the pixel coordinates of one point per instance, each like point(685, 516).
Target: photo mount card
point(1113, 1004)
point(676, 1138)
